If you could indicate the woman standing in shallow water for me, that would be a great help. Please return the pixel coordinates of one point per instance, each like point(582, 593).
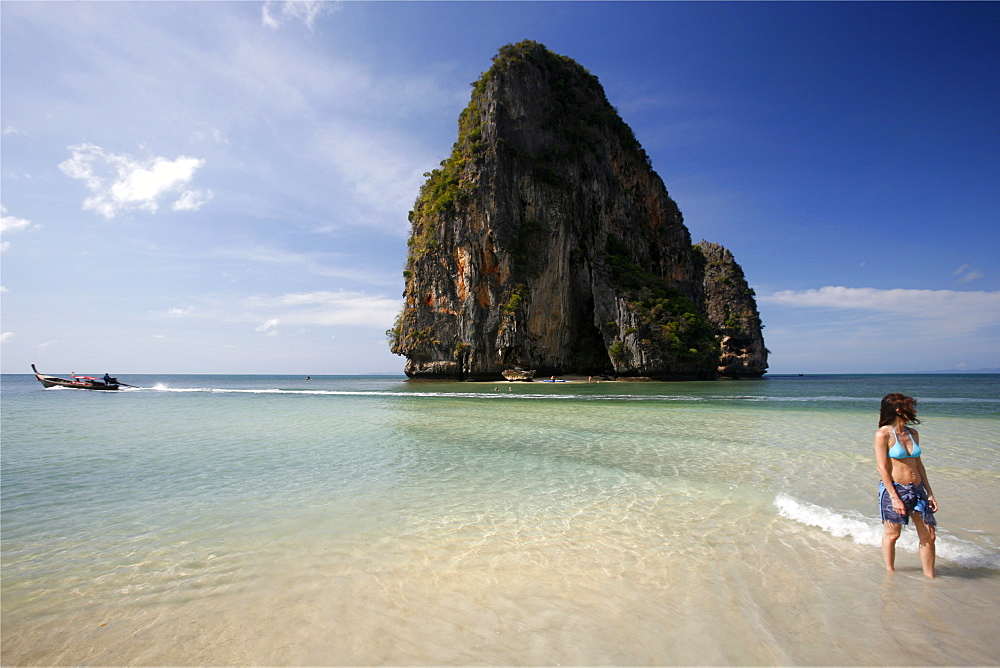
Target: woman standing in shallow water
point(904, 487)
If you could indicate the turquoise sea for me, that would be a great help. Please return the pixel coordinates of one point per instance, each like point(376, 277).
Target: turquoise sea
point(370, 520)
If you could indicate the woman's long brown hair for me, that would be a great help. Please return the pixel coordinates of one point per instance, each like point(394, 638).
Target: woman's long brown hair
point(894, 404)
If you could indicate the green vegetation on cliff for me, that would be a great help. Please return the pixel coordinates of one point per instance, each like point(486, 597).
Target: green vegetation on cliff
point(446, 189)
point(579, 116)
point(676, 328)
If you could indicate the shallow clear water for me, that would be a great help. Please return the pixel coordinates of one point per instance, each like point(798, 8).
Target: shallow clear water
point(364, 520)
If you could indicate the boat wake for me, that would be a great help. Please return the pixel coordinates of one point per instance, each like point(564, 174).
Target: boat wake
point(868, 531)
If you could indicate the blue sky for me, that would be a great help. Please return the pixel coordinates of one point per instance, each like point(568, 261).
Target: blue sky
point(223, 187)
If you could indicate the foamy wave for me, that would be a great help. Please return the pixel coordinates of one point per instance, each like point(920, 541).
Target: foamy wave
point(159, 387)
point(867, 400)
point(868, 531)
point(497, 394)
point(508, 392)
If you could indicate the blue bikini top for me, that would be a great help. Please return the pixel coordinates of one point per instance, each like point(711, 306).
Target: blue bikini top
point(897, 451)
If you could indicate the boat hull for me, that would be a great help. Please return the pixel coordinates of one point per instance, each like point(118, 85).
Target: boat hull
point(73, 384)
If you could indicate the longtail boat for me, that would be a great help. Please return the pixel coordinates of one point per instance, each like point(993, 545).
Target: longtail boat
point(79, 382)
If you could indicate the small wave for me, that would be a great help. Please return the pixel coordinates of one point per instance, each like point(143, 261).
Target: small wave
point(875, 400)
point(496, 394)
point(159, 387)
point(868, 531)
point(503, 393)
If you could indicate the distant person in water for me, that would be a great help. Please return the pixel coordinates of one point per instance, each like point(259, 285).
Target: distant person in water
point(904, 491)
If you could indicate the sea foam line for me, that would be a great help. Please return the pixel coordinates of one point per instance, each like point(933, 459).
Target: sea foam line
point(507, 394)
point(868, 531)
point(497, 394)
point(368, 393)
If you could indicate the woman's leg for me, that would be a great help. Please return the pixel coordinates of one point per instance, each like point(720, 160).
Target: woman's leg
point(926, 535)
point(890, 535)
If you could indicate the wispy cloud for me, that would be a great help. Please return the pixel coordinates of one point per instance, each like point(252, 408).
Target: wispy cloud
point(325, 308)
point(835, 329)
point(192, 200)
point(319, 264)
point(957, 312)
point(6, 337)
point(119, 183)
point(269, 327)
point(301, 309)
point(966, 273)
point(281, 119)
point(276, 12)
point(383, 171)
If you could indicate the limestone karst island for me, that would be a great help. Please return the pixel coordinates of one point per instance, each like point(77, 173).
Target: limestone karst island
point(546, 243)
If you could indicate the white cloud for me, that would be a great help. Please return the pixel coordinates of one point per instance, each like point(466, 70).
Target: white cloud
point(270, 324)
point(10, 224)
point(955, 311)
point(120, 183)
point(192, 200)
point(6, 337)
point(276, 12)
point(327, 309)
point(966, 273)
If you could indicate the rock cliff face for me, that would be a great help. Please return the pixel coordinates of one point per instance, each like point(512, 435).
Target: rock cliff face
point(546, 241)
point(730, 305)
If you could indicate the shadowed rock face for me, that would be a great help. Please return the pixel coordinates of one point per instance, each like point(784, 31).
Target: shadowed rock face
point(730, 305)
point(546, 241)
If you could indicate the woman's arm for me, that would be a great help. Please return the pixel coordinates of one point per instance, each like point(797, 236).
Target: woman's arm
point(885, 470)
point(923, 476)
